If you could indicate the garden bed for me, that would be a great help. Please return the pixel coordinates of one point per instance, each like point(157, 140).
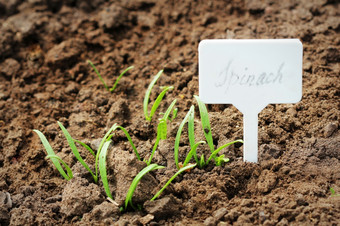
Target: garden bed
point(44, 78)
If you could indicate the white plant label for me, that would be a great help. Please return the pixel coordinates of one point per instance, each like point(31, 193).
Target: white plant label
point(250, 74)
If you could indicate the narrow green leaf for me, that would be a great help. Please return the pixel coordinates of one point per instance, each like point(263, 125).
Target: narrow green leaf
point(119, 77)
point(192, 152)
point(104, 139)
point(158, 101)
point(75, 150)
point(191, 130)
point(205, 123)
point(220, 160)
point(174, 114)
point(333, 194)
point(332, 191)
point(213, 155)
point(202, 161)
point(50, 152)
point(131, 142)
point(85, 146)
point(98, 74)
point(178, 136)
point(181, 170)
point(68, 169)
point(153, 150)
point(147, 95)
point(133, 186)
point(168, 111)
point(162, 130)
point(102, 168)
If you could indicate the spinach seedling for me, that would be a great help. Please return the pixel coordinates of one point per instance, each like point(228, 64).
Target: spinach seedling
point(333, 194)
point(190, 119)
point(133, 186)
point(101, 78)
point(208, 136)
point(162, 130)
point(54, 158)
point(102, 168)
point(108, 137)
point(148, 116)
point(202, 162)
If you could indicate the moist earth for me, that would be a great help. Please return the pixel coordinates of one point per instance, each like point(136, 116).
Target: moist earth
point(44, 78)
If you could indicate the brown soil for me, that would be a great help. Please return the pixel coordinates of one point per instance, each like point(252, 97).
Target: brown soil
point(44, 78)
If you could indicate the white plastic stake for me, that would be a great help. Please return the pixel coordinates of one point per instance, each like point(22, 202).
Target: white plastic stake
point(250, 137)
point(250, 74)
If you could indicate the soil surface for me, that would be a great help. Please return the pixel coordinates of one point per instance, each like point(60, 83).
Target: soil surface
point(44, 78)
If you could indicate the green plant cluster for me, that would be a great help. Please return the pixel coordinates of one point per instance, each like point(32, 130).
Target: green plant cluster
point(162, 128)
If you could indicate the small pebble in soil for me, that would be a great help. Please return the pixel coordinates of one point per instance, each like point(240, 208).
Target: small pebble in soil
point(330, 129)
point(163, 207)
point(5, 200)
point(210, 221)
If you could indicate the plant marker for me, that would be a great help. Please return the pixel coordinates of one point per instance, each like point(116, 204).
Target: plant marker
point(250, 74)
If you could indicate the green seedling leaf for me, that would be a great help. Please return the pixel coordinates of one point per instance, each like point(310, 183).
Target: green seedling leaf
point(130, 140)
point(147, 95)
point(202, 162)
point(158, 101)
point(98, 74)
point(333, 192)
point(133, 186)
point(119, 77)
point(50, 152)
point(75, 150)
point(68, 169)
point(178, 135)
point(192, 152)
point(191, 130)
point(104, 139)
point(168, 111)
point(174, 114)
point(153, 150)
point(220, 160)
point(181, 170)
point(108, 136)
point(162, 130)
point(85, 146)
point(213, 155)
point(102, 168)
point(205, 123)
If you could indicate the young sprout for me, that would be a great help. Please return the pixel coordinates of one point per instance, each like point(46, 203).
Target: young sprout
point(75, 150)
point(181, 170)
point(192, 152)
point(333, 194)
point(102, 168)
point(188, 116)
point(54, 158)
point(205, 123)
point(219, 160)
point(174, 114)
point(108, 137)
point(133, 186)
point(148, 116)
point(101, 78)
point(207, 133)
point(68, 169)
point(162, 130)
